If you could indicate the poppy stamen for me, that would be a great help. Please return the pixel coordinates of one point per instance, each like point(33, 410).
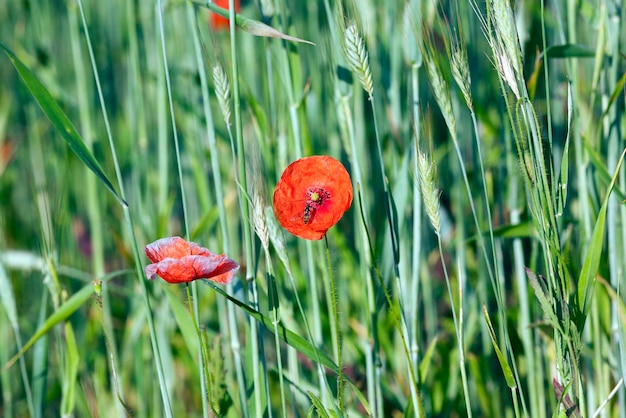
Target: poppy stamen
point(315, 199)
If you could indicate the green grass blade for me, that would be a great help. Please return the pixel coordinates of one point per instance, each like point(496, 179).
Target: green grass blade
point(504, 364)
point(72, 359)
point(69, 307)
point(569, 51)
point(602, 172)
point(7, 298)
point(60, 121)
point(250, 25)
point(427, 360)
point(587, 278)
point(294, 340)
point(289, 337)
point(40, 363)
point(184, 321)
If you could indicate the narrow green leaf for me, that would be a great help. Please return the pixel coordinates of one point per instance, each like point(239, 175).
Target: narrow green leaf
point(523, 229)
point(60, 121)
point(72, 359)
point(7, 297)
point(317, 406)
point(587, 278)
point(601, 170)
point(561, 193)
point(617, 92)
point(294, 340)
point(273, 301)
point(289, 337)
point(615, 298)
point(544, 302)
point(569, 51)
point(69, 307)
point(250, 25)
point(184, 321)
point(508, 375)
point(425, 363)
point(40, 363)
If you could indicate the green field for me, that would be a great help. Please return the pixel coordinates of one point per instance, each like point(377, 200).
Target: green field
point(479, 270)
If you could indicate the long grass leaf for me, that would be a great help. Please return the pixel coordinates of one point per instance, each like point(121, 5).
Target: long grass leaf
point(7, 298)
point(427, 360)
point(569, 51)
point(250, 25)
point(72, 359)
point(293, 339)
point(602, 172)
point(69, 307)
point(587, 278)
point(60, 121)
point(504, 364)
point(184, 321)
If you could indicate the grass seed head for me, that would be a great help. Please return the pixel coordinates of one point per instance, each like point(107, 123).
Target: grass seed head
point(430, 194)
point(357, 56)
point(460, 72)
point(222, 91)
point(442, 94)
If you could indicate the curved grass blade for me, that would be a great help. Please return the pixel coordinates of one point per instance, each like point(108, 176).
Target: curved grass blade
point(523, 229)
point(72, 359)
point(7, 300)
point(76, 301)
point(294, 340)
point(602, 172)
point(569, 51)
point(504, 364)
point(427, 360)
point(587, 278)
point(250, 25)
point(286, 335)
point(60, 121)
point(69, 307)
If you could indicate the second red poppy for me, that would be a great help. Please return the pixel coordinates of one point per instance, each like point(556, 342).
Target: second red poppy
point(221, 23)
point(312, 195)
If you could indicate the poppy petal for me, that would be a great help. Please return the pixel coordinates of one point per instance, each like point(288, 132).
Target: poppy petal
point(177, 261)
point(171, 247)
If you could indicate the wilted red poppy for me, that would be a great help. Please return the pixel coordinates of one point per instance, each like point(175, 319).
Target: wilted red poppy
point(312, 195)
point(180, 261)
point(218, 22)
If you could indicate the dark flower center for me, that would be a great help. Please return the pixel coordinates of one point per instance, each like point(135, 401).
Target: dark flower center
point(315, 198)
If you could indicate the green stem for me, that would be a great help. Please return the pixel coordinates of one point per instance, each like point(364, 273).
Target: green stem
point(334, 323)
point(203, 358)
point(243, 203)
point(131, 230)
point(275, 316)
point(457, 328)
point(397, 317)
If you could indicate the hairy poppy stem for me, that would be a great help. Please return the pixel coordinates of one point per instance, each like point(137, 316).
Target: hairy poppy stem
point(203, 355)
point(335, 326)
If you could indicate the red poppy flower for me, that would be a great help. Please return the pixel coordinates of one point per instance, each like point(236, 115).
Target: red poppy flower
point(180, 261)
point(218, 22)
point(312, 195)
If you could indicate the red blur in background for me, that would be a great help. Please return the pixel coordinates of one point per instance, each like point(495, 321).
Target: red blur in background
point(218, 22)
